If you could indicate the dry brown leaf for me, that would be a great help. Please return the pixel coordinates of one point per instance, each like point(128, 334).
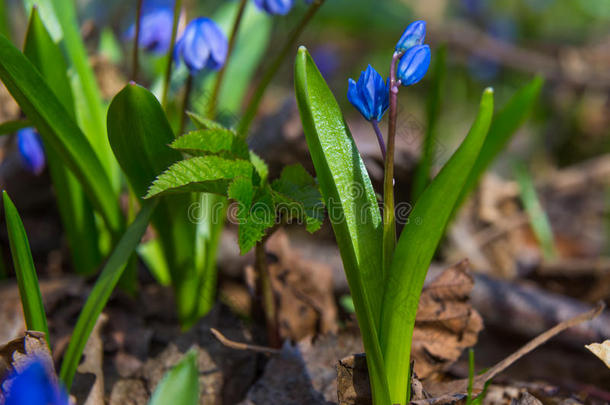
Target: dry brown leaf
point(446, 323)
point(601, 350)
point(93, 355)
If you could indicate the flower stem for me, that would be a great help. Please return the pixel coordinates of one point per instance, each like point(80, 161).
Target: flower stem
point(375, 125)
point(136, 45)
point(266, 288)
point(232, 39)
point(185, 103)
point(389, 220)
point(170, 51)
point(250, 113)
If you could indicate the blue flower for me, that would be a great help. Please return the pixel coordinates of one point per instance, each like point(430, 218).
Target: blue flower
point(370, 95)
point(33, 386)
point(31, 150)
point(413, 35)
point(414, 64)
point(155, 29)
point(275, 6)
point(202, 46)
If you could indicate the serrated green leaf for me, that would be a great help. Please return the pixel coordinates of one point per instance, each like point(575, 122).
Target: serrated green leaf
point(180, 385)
point(208, 174)
point(260, 168)
point(58, 130)
point(416, 247)
point(260, 217)
point(352, 205)
point(242, 191)
point(215, 141)
point(205, 123)
point(27, 280)
point(297, 197)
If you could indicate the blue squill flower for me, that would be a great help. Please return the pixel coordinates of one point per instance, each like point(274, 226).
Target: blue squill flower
point(281, 7)
point(414, 64)
point(155, 29)
point(33, 386)
point(370, 95)
point(413, 35)
point(31, 150)
point(202, 46)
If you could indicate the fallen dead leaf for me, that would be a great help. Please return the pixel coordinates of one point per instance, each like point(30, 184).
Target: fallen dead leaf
point(601, 350)
point(93, 355)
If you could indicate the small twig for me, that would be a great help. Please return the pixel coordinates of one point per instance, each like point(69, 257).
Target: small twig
point(170, 52)
point(136, 44)
point(243, 346)
point(185, 103)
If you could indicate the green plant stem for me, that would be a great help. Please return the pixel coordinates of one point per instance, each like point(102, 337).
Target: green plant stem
point(375, 125)
point(250, 113)
point(185, 103)
point(389, 220)
point(221, 73)
point(136, 44)
point(170, 51)
point(269, 306)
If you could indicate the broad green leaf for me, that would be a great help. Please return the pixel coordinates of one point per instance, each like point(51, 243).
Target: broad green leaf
point(99, 295)
point(539, 221)
point(10, 127)
point(504, 125)
point(204, 123)
point(433, 107)
point(297, 196)
point(180, 385)
point(416, 247)
point(58, 130)
point(75, 210)
point(214, 141)
point(259, 217)
point(242, 191)
point(5, 29)
point(31, 299)
point(260, 168)
point(209, 174)
point(351, 203)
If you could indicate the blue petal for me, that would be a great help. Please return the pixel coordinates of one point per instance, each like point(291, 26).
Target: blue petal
point(412, 36)
point(31, 150)
point(353, 95)
point(273, 7)
point(33, 386)
point(217, 43)
point(413, 66)
point(155, 29)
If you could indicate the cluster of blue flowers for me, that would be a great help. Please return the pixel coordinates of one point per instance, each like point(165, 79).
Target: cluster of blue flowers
point(370, 94)
point(33, 386)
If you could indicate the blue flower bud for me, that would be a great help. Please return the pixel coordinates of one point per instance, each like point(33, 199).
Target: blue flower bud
point(370, 95)
point(413, 35)
point(31, 150)
point(414, 64)
point(275, 6)
point(202, 46)
point(155, 29)
point(33, 386)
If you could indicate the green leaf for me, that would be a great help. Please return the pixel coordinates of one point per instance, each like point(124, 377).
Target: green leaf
point(242, 191)
point(205, 123)
point(539, 221)
point(259, 217)
point(416, 247)
point(10, 127)
point(58, 130)
point(99, 295)
point(504, 125)
point(209, 174)
point(260, 168)
point(180, 385)
point(213, 141)
point(31, 299)
point(352, 206)
point(75, 210)
point(298, 197)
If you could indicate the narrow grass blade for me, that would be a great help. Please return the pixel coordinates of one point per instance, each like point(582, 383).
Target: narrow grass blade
point(351, 204)
point(416, 247)
point(538, 218)
point(105, 284)
point(58, 130)
point(180, 385)
point(75, 210)
point(504, 125)
point(31, 300)
point(10, 127)
point(433, 107)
